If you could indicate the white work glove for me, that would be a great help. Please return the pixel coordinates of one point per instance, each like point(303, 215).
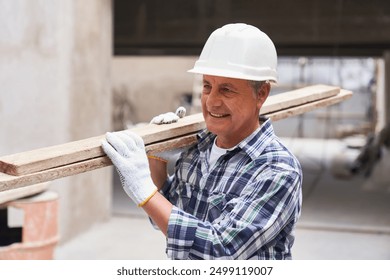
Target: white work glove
point(169, 117)
point(168, 155)
point(127, 152)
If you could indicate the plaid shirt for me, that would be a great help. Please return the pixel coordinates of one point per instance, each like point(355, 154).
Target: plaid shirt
point(244, 207)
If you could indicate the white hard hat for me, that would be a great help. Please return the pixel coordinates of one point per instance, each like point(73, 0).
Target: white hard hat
point(239, 51)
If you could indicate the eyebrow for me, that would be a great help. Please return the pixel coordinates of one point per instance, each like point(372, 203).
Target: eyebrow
point(205, 81)
point(228, 85)
point(222, 85)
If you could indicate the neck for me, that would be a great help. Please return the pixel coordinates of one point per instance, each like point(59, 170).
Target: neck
point(227, 142)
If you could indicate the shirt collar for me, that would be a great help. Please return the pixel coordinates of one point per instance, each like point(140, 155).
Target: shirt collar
point(253, 145)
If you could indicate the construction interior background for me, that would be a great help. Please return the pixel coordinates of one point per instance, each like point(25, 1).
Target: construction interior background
point(71, 69)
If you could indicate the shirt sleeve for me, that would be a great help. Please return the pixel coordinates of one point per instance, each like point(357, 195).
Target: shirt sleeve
point(248, 222)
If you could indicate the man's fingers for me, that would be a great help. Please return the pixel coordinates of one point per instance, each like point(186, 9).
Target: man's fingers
point(169, 117)
point(157, 120)
point(110, 151)
point(181, 112)
point(129, 139)
point(117, 143)
point(139, 142)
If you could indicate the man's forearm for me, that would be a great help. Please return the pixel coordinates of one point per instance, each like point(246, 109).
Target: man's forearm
point(159, 210)
point(158, 171)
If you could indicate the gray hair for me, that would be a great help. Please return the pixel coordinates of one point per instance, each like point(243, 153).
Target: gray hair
point(256, 85)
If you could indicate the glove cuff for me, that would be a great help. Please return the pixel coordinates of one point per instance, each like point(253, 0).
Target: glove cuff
point(147, 199)
point(158, 158)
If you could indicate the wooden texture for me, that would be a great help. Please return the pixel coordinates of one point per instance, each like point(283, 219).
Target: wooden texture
point(297, 97)
point(58, 161)
point(73, 152)
point(59, 155)
point(13, 194)
point(307, 107)
point(8, 182)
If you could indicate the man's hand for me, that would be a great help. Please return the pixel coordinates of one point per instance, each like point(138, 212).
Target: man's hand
point(169, 117)
point(127, 152)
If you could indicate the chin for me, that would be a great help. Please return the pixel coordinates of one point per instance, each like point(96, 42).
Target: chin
point(215, 129)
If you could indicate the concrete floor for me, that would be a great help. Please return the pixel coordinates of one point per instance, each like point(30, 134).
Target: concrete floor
point(341, 219)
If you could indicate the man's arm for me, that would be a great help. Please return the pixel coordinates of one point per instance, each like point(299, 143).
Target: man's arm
point(158, 170)
point(127, 152)
point(158, 207)
point(159, 210)
point(246, 223)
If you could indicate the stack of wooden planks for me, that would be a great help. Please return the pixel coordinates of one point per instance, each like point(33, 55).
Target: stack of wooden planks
point(50, 163)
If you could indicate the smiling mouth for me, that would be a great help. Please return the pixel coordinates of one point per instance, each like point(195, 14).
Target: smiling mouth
point(218, 115)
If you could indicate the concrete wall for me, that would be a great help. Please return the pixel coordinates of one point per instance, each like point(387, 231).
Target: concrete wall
point(55, 60)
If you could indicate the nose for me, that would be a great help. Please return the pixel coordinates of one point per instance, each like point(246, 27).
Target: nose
point(213, 99)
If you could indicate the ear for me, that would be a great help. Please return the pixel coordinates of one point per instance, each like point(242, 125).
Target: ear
point(262, 94)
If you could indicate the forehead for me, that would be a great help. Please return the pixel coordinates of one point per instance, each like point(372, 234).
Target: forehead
point(225, 81)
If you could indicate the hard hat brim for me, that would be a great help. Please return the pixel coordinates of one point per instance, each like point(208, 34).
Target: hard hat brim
point(266, 75)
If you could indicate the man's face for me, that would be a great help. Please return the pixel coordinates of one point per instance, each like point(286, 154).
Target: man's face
point(231, 108)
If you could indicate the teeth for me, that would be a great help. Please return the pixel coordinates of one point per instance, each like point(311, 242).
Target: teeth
point(217, 115)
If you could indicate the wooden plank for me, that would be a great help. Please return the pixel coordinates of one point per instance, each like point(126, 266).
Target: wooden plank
point(13, 194)
point(297, 97)
point(55, 156)
point(274, 116)
point(180, 142)
point(304, 108)
point(9, 182)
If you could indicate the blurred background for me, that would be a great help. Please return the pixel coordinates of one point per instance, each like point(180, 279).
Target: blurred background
point(71, 70)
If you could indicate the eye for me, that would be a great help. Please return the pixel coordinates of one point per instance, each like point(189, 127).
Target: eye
point(206, 88)
point(227, 91)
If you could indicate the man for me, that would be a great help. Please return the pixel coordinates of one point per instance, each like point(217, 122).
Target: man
point(236, 194)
